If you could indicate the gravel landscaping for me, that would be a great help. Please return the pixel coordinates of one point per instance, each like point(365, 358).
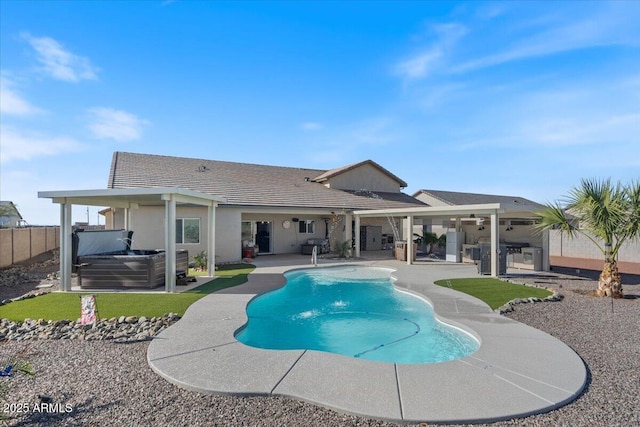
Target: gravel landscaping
point(110, 383)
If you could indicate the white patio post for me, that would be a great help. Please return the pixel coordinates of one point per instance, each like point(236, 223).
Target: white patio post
point(357, 230)
point(65, 246)
point(128, 214)
point(126, 219)
point(170, 242)
point(495, 234)
point(347, 229)
point(211, 240)
point(409, 239)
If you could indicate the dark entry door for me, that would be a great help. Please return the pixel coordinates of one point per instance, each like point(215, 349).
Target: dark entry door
point(263, 237)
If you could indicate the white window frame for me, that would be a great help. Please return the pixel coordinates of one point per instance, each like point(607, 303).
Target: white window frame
point(180, 225)
point(308, 224)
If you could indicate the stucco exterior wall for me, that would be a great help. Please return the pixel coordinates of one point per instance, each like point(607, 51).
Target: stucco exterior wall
point(147, 224)
point(364, 177)
point(228, 234)
point(283, 240)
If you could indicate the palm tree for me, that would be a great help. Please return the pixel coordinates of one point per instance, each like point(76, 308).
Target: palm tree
point(606, 214)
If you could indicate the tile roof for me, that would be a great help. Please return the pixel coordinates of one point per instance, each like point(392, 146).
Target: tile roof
point(244, 184)
point(454, 198)
point(333, 172)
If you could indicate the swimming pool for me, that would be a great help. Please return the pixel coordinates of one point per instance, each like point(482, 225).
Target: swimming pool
point(354, 311)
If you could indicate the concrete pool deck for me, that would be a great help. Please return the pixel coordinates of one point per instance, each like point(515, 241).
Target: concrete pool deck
point(517, 371)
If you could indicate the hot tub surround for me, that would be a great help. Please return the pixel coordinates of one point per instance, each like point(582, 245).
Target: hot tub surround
point(127, 269)
point(104, 259)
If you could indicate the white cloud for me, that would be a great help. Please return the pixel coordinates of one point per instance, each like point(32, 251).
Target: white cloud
point(604, 27)
point(424, 62)
point(108, 123)
point(60, 63)
point(351, 141)
point(11, 102)
point(311, 126)
point(17, 145)
point(420, 65)
point(571, 118)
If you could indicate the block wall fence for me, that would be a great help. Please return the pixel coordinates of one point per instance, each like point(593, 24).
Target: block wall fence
point(21, 244)
point(581, 253)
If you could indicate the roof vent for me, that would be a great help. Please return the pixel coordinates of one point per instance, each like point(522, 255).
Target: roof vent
point(307, 179)
point(202, 168)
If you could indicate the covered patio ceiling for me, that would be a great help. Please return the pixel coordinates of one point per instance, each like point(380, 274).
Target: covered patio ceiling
point(133, 198)
point(493, 210)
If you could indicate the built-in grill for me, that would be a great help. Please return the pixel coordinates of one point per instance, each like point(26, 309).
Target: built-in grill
point(104, 259)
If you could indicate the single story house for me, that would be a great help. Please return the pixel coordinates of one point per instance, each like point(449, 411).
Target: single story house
point(272, 209)
point(236, 210)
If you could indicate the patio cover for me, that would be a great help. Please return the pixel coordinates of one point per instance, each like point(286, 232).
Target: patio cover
point(132, 198)
point(459, 211)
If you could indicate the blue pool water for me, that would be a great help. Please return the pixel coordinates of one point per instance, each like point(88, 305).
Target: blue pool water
point(353, 311)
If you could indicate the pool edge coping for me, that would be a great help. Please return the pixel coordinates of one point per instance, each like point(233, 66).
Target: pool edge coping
point(185, 380)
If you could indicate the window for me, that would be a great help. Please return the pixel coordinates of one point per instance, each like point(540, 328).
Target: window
point(187, 230)
point(307, 226)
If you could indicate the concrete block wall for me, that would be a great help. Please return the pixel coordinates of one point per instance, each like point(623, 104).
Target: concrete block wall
point(21, 244)
point(581, 253)
point(6, 247)
point(38, 240)
point(52, 237)
point(581, 247)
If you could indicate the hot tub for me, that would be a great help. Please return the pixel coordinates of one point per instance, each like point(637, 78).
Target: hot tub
point(116, 265)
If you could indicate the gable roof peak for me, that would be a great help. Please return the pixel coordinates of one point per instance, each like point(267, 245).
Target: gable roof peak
point(338, 171)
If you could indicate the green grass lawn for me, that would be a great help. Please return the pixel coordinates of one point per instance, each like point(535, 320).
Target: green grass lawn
point(494, 292)
point(60, 305)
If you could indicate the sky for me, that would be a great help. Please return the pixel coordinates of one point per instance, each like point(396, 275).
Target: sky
point(510, 98)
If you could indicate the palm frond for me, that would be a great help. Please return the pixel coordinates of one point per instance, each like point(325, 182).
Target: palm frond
point(601, 207)
point(554, 217)
point(632, 226)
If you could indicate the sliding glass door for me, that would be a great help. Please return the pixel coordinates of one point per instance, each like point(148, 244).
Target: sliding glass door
point(258, 233)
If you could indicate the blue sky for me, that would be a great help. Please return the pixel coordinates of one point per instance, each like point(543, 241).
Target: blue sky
point(515, 98)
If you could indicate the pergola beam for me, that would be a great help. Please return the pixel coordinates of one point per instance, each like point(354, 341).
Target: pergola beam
point(128, 199)
point(492, 209)
point(433, 211)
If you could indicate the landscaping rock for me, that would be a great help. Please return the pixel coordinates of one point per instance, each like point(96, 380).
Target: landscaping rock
point(130, 329)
